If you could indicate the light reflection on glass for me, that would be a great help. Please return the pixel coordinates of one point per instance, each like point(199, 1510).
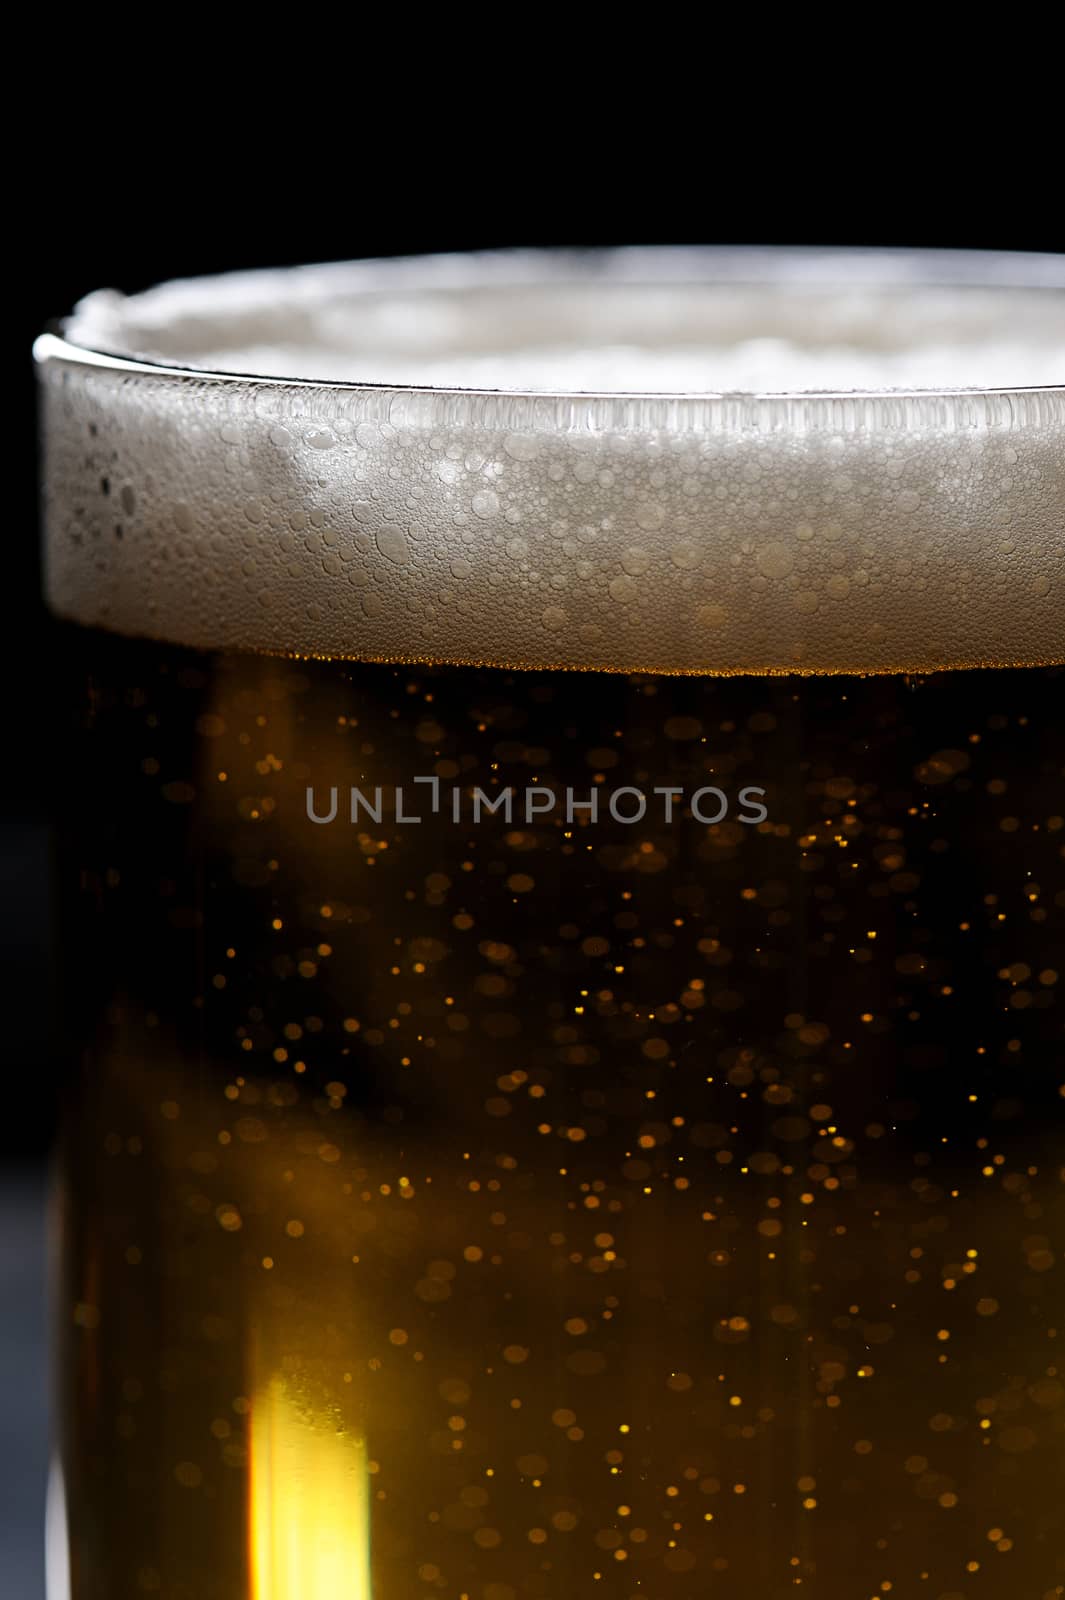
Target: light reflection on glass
point(309, 1501)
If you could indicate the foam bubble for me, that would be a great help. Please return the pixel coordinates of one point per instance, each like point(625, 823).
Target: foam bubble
point(910, 524)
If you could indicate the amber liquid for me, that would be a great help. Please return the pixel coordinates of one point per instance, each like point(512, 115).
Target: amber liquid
point(555, 1210)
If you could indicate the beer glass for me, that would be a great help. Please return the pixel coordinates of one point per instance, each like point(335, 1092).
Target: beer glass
point(564, 929)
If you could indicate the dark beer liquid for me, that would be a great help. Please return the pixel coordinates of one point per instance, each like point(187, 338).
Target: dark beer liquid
point(550, 1209)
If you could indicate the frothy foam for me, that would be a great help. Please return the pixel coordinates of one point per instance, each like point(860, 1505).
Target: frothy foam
point(759, 366)
point(679, 322)
point(723, 530)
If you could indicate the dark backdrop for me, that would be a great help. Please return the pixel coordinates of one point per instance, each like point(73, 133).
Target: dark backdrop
point(128, 207)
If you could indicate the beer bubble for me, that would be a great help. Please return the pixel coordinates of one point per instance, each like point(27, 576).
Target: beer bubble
point(522, 447)
point(392, 543)
point(486, 504)
point(650, 517)
point(774, 560)
point(636, 562)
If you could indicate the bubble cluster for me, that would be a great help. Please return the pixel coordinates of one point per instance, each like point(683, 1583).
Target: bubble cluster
point(690, 533)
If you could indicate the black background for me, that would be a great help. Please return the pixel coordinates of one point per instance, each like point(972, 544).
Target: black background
point(153, 177)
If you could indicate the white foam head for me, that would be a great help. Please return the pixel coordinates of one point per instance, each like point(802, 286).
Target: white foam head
point(679, 460)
